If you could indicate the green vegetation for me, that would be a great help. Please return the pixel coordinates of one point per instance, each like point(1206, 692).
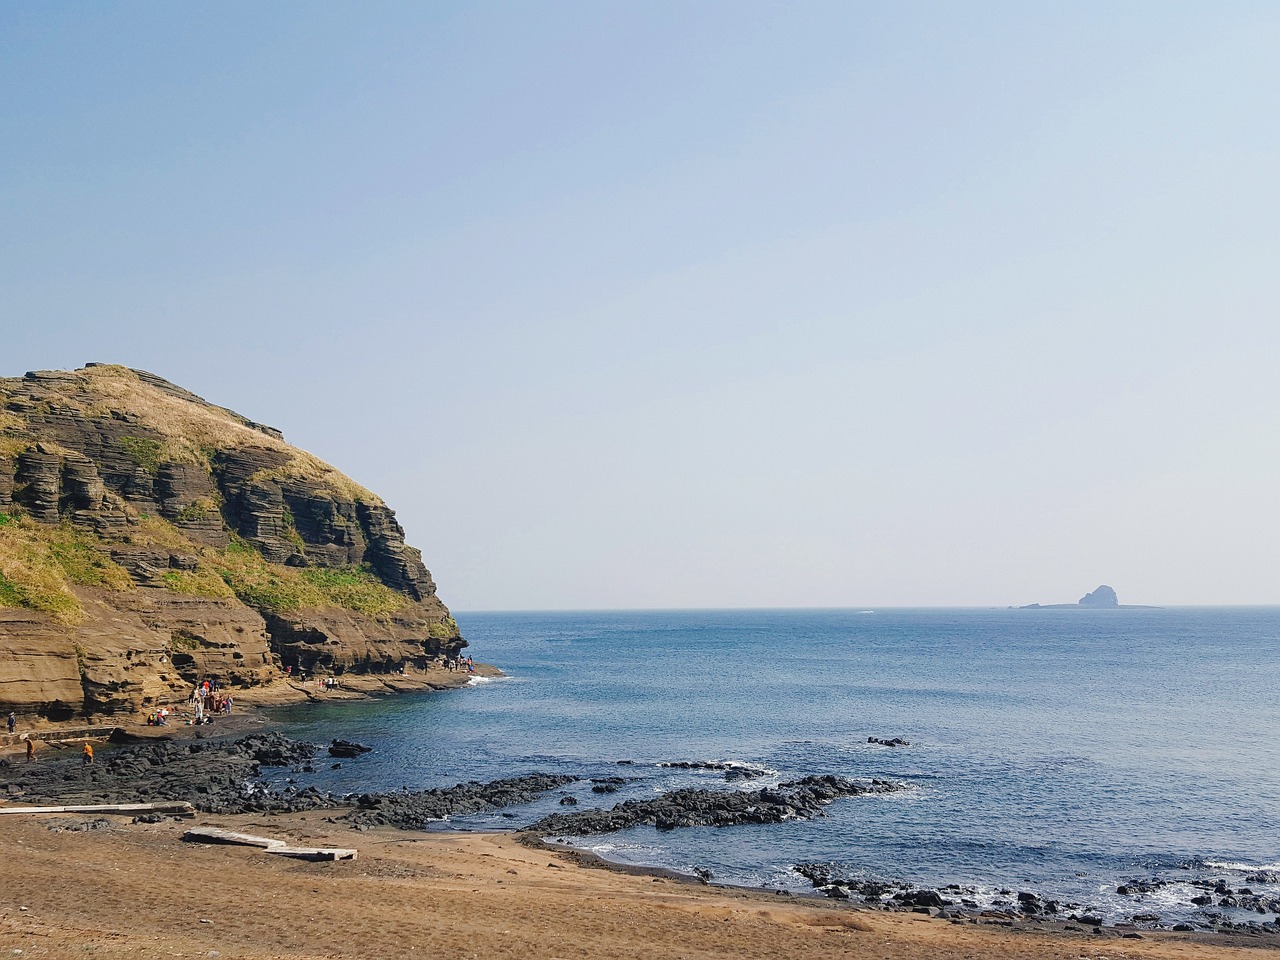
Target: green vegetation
point(40, 563)
point(445, 629)
point(182, 640)
point(355, 588)
point(10, 593)
point(291, 531)
point(143, 451)
point(11, 446)
point(271, 586)
point(82, 562)
point(5, 518)
point(198, 509)
point(203, 581)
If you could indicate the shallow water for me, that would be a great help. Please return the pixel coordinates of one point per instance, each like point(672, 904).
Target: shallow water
point(1057, 751)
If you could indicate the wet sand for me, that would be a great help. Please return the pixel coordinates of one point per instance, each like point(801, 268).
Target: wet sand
point(138, 890)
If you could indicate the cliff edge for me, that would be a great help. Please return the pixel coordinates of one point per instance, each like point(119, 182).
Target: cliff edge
point(149, 539)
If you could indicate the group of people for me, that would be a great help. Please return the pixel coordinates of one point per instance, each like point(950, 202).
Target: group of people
point(208, 700)
point(456, 663)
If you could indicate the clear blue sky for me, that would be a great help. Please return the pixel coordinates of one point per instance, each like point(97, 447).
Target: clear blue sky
point(692, 304)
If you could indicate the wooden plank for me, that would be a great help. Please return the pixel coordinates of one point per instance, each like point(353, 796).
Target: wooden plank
point(214, 835)
point(266, 844)
point(179, 808)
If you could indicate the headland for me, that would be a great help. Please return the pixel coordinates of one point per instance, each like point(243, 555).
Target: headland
point(151, 540)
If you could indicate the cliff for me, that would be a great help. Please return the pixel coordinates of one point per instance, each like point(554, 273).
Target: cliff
point(149, 538)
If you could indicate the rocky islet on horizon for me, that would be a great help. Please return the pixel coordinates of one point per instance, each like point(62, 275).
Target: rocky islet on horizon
point(149, 539)
point(1103, 598)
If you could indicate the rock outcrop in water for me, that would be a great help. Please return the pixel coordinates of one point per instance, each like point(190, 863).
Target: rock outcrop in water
point(413, 810)
point(1104, 596)
point(149, 538)
point(695, 807)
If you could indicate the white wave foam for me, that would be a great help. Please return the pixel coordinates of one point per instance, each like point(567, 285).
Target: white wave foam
point(1238, 867)
point(477, 681)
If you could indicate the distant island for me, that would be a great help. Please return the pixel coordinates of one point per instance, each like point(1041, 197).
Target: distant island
point(1103, 598)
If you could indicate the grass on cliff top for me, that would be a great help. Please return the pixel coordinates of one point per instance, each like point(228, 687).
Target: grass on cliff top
point(39, 564)
point(277, 588)
point(192, 429)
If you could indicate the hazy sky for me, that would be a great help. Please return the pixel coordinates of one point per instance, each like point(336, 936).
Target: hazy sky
point(692, 304)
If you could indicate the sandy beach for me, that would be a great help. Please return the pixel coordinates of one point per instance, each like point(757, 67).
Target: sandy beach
point(138, 890)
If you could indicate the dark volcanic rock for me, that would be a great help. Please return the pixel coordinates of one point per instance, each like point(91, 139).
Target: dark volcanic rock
point(716, 808)
point(345, 748)
point(216, 776)
point(223, 776)
point(895, 742)
point(732, 771)
point(413, 810)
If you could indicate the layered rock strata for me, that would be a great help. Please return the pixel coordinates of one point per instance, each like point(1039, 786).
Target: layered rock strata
point(149, 539)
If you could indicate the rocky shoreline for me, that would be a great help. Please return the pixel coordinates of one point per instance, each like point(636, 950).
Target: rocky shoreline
point(225, 776)
point(960, 904)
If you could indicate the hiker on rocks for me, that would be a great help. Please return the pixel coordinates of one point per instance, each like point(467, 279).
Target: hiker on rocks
point(31, 750)
point(88, 753)
point(13, 721)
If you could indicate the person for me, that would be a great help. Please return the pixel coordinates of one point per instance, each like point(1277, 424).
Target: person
point(88, 753)
point(13, 721)
point(31, 749)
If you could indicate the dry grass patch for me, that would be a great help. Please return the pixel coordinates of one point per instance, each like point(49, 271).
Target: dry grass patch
point(30, 575)
point(153, 531)
point(192, 429)
point(204, 581)
point(40, 563)
point(11, 446)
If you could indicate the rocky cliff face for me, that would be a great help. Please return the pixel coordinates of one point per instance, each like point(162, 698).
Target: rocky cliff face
point(149, 538)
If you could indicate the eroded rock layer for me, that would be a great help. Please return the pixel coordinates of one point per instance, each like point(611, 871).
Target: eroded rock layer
point(149, 539)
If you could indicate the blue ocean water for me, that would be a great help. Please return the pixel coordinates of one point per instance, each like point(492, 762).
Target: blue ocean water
point(1061, 752)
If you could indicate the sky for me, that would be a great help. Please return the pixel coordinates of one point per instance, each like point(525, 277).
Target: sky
point(702, 304)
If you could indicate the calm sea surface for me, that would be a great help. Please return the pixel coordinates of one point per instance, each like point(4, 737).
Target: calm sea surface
point(1057, 751)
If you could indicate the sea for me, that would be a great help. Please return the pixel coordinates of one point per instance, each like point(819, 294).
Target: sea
point(1064, 753)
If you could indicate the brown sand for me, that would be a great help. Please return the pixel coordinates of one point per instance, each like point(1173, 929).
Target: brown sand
point(137, 890)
